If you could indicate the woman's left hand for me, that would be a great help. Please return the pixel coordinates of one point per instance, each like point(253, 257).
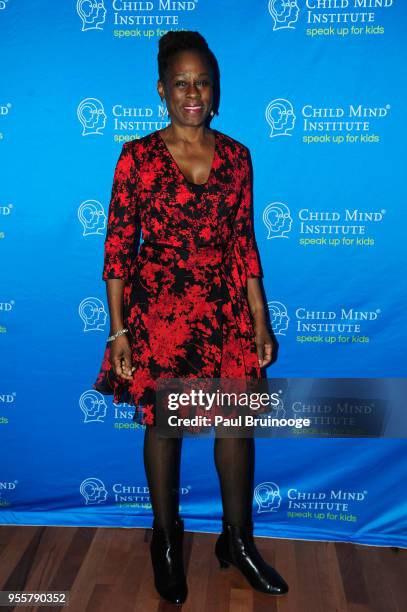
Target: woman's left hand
point(257, 306)
point(264, 343)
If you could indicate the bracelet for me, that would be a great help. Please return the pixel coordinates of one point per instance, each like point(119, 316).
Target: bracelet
point(117, 334)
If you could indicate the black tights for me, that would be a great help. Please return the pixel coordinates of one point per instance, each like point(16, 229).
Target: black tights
point(234, 461)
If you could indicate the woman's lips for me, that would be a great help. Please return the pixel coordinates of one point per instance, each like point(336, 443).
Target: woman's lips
point(193, 109)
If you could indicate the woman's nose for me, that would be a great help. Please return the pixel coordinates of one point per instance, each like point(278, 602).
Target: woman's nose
point(192, 89)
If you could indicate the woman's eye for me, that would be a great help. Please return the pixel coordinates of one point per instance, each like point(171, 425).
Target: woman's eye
point(199, 83)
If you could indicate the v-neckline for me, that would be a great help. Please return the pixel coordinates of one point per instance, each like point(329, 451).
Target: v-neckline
point(176, 166)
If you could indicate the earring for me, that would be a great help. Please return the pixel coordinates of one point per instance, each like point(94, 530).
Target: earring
point(164, 103)
point(212, 113)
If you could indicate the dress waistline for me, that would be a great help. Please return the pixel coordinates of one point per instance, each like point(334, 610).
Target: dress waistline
point(186, 247)
point(192, 254)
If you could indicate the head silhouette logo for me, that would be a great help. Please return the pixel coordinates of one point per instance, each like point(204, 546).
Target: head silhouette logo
point(267, 496)
point(92, 14)
point(284, 13)
point(93, 491)
point(277, 218)
point(279, 411)
point(93, 314)
point(92, 116)
point(279, 317)
point(93, 405)
point(93, 218)
point(280, 117)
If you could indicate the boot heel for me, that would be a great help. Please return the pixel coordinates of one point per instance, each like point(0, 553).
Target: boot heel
point(238, 545)
point(167, 559)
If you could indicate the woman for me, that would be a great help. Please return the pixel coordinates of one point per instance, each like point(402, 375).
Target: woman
point(189, 303)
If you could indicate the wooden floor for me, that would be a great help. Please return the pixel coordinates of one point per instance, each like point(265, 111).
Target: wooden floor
point(110, 569)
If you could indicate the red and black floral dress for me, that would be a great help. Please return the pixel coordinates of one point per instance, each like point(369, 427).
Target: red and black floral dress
point(185, 294)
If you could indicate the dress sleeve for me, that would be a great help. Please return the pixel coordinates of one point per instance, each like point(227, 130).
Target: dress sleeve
point(122, 219)
point(245, 241)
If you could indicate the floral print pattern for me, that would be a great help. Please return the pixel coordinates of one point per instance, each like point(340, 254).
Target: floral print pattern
point(185, 293)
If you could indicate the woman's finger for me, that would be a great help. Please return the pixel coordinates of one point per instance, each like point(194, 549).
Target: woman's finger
point(260, 350)
point(127, 368)
point(117, 366)
point(264, 351)
point(268, 351)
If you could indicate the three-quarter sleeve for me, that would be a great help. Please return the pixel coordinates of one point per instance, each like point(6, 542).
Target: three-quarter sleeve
point(244, 236)
point(122, 220)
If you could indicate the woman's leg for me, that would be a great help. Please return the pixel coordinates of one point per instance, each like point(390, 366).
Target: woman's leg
point(234, 460)
point(162, 458)
point(162, 461)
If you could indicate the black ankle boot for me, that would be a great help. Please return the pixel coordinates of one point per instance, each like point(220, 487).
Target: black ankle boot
point(167, 559)
point(236, 545)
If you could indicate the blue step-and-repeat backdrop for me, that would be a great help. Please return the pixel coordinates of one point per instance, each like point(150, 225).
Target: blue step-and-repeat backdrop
point(315, 89)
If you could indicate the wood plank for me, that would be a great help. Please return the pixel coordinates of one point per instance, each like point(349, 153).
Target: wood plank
point(110, 568)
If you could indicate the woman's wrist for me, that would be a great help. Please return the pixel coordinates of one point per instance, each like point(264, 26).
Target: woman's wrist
point(258, 313)
point(117, 334)
point(115, 326)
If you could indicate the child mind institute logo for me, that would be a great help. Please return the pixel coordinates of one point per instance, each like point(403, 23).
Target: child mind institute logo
point(281, 117)
point(92, 116)
point(93, 491)
point(279, 318)
point(277, 218)
point(93, 405)
point(93, 314)
point(267, 496)
point(351, 123)
point(284, 13)
point(93, 218)
point(92, 14)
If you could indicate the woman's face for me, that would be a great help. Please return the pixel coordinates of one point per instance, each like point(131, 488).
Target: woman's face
point(188, 89)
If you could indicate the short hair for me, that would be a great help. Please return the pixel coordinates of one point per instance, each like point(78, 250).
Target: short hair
point(174, 42)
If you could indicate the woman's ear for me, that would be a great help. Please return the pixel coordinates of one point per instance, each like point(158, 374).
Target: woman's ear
point(160, 89)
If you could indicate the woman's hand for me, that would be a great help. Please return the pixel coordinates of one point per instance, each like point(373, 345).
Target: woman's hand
point(120, 357)
point(264, 343)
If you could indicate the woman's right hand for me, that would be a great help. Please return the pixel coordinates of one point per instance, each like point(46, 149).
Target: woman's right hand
point(120, 357)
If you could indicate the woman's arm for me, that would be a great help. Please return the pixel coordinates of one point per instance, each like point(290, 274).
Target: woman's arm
point(123, 219)
point(245, 238)
point(121, 234)
point(114, 290)
point(263, 339)
point(120, 352)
